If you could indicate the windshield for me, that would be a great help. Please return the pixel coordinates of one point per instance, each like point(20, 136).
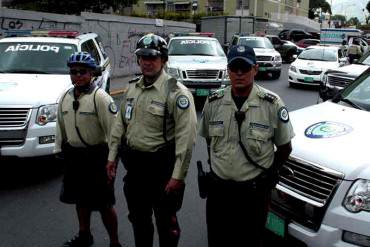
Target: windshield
point(358, 92)
point(329, 55)
point(202, 47)
point(365, 59)
point(37, 58)
point(256, 42)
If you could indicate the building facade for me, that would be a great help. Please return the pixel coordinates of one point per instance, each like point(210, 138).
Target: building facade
point(269, 9)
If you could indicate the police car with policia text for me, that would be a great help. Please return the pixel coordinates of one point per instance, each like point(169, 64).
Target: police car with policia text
point(198, 61)
point(323, 195)
point(34, 74)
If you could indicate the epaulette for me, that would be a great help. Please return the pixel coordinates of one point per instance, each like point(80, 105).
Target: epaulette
point(135, 79)
point(218, 94)
point(268, 97)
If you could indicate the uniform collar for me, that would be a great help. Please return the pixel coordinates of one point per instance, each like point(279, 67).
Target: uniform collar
point(253, 98)
point(157, 84)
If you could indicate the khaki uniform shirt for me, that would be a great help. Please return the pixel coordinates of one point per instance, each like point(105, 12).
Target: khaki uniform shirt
point(140, 120)
point(94, 123)
point(354, 50)
point(266, 124)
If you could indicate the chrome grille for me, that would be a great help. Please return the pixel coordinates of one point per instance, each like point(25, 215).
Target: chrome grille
point(13, 117)
point(309, 72)
point(339, 81)
point(202, 74)
point(264, 58)
point(308, 180)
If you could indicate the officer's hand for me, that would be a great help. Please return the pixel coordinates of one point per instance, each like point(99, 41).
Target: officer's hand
point(174, 185)
point(111, 168)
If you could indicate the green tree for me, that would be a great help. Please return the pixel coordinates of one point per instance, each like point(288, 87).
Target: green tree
point(354, 21)
point(72, 6)
point(316, 5)
point(339, 18)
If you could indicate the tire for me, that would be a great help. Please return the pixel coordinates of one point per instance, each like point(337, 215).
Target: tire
point(275, 75)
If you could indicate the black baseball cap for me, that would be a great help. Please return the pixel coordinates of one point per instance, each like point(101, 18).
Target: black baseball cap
point(242, 52)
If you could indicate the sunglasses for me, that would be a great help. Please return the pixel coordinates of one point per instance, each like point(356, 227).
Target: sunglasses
point(237, 67)
point(78, 71)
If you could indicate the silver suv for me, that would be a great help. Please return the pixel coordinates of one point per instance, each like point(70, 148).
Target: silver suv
point(34, 74)
point(198, 62)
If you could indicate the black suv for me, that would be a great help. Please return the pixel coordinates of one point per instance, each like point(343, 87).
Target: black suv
point(294, 35)
point(285, 48)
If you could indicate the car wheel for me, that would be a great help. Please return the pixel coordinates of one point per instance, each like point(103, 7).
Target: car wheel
point(275, 75)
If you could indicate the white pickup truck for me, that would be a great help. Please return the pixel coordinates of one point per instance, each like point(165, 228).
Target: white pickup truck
point(323, 195)
point(33, 75)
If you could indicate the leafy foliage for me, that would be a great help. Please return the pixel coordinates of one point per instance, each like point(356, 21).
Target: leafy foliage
point(316, 5)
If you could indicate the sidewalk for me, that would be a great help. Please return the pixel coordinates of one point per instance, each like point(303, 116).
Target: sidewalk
point(118, 85)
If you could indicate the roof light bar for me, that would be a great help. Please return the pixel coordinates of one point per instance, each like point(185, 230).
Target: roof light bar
point(205, 34)
point(41, 33)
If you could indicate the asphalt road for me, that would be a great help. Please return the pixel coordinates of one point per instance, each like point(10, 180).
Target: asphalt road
point(32, 216)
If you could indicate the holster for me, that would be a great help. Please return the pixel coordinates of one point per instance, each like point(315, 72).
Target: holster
point(203, 181)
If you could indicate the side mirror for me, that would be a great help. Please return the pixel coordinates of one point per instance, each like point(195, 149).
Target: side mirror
point(343, 61)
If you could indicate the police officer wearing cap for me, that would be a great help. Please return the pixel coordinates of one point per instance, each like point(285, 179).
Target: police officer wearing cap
point(248, 134)
point(156, 128)
point(85, 116)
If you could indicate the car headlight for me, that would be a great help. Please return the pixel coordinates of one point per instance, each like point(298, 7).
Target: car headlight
point(277, 58)
point(324, 78)
point(293, 68)
point(226, 75)
point(358, 196)
point(174, 72)
point(46, 114)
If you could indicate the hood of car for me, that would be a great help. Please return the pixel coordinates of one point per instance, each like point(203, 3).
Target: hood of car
point(197, 62)
point(351, 70)
point(334, 136)
point(264, 52)
point(314, 65)
point(32, 89)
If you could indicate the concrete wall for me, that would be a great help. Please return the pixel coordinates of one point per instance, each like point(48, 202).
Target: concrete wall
point(119, 33)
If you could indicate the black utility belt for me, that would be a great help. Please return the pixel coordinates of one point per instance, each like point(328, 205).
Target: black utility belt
point(165, 149)
point(232, 183)
point(90, 149)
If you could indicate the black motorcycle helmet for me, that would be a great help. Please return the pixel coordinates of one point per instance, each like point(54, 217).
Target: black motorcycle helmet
point(152, 45)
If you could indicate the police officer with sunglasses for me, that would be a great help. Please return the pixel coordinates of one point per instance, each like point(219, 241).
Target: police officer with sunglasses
point(248, 134)
point(85, 117)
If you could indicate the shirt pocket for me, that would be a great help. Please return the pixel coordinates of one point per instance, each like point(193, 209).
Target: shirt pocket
point(154, 116)
point(216, 133)
point(258, 141)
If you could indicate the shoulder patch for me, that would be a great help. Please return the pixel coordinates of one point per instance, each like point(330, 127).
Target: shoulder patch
point(113, 108)
point(182, 102)
point(268, 97)
point(134, 80)
point(283, 114)
point(218, 94)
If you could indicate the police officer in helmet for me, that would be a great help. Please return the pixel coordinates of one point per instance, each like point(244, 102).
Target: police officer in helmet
point(156, 128)
point(85, 117)
point(248, 134)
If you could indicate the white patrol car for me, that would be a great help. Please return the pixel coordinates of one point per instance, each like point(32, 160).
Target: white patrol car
point(268, 59)
point(34, 74)
point(323, 195)
point(198, 62)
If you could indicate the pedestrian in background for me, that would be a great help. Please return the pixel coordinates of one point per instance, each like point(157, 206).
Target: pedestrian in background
point(85, 117)
point(241, 125)
point(156, 128)
point(354, 51)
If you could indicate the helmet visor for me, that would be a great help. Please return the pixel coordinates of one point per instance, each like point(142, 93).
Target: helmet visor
point(147, 52)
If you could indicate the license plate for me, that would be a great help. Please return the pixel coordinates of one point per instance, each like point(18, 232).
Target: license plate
point(261, 68)
point(275, 224)
point(202, 92)
point(308, 79)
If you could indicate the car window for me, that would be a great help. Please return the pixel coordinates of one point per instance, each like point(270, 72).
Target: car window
point(319, 55)
point(365, 59)
point(34, 57)
point(89, 46)
point(99, 41)
point(359, 91)
point(202, 47)
point(256, 42)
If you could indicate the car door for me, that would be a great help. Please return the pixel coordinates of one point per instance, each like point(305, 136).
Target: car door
point(91, 47)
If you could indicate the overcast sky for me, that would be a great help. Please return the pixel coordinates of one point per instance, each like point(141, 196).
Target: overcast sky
point(349, 8)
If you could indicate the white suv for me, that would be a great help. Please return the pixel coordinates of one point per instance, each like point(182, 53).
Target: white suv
point(198, 62)
point(34, 74)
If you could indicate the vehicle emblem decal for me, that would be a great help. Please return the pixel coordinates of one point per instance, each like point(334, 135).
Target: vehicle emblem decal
point(327, 129)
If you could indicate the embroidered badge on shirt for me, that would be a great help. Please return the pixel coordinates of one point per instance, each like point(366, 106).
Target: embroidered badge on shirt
point(128, 113)
point(113, 108)
point(183, 102)
point(283, 114)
